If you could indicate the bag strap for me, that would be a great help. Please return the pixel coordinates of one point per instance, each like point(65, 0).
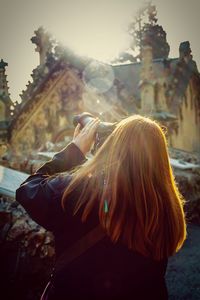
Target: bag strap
point(80, 247)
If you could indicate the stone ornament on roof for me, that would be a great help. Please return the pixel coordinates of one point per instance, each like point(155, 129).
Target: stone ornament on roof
point(3, 64)
point(4, 94)
point(44, 43)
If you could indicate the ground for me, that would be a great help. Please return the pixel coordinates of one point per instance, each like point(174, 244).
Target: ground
point(183, 272)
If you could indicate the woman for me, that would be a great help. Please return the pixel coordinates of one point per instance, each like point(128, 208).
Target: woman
point(129, 189)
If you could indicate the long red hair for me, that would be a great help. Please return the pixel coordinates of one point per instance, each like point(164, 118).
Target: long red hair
point(131, 178)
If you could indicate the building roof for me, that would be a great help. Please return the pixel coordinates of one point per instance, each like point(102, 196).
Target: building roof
point(126, 76)
point(129, 74)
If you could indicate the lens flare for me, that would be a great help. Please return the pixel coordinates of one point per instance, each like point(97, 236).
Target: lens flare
point(98, 77)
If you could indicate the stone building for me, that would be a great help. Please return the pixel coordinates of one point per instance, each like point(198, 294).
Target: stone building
point(5, 107)
point(65, 84)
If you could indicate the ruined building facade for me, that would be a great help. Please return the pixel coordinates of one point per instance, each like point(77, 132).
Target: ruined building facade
point(65, 84)
point(170, 90)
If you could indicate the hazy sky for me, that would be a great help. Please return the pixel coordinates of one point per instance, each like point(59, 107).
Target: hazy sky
point(96, 28)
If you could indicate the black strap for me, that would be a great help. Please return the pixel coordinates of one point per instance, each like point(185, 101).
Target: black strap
point(81, 246)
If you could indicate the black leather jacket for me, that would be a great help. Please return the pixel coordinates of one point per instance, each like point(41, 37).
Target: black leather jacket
point(106, 270)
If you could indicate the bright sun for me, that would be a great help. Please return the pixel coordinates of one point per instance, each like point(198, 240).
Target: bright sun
point(98, 32)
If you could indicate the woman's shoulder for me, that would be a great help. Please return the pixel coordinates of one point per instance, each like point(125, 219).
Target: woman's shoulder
point(58, 183)
point(41, 197)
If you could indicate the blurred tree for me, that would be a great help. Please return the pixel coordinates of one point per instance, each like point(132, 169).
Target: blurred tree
point(144, 31)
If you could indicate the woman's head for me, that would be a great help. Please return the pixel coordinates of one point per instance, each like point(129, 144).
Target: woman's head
point(138, 145)
point(132, 175)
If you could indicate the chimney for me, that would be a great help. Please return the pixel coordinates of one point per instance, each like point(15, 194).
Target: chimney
point(185, 51)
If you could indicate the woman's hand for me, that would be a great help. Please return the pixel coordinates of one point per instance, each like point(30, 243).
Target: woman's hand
point(84, 138)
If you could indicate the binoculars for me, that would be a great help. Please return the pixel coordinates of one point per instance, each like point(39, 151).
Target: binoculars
point(103, 131)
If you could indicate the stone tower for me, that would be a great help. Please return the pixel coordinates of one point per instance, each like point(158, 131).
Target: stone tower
point(5, 104)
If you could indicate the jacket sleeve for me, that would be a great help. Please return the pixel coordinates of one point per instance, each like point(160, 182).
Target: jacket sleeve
point(41, 193)
point(65, 160)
